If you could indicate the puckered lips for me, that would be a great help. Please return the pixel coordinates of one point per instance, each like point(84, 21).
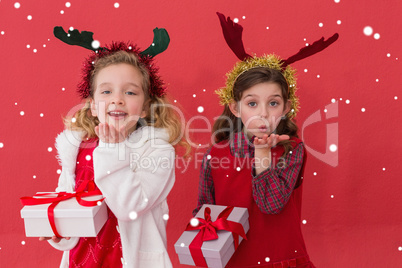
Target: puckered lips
point(263, 128)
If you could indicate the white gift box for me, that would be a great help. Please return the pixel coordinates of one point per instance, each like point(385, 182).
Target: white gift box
point(71, 218)
point(218, 252)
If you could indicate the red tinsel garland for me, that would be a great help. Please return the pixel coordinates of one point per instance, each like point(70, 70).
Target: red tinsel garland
point(157, 87)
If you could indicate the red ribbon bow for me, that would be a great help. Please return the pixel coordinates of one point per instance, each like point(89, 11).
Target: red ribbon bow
point(208, 232)
point(43, 198)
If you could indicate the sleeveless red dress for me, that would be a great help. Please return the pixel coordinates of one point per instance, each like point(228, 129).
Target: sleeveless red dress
point(273, 240)
point(105, 249)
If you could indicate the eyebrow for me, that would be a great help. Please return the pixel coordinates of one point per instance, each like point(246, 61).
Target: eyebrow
point(254, 95)
point(129, 83)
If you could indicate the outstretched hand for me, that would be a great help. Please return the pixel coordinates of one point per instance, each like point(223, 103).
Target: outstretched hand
point(270, 141)
point(262, 155)
point(109, 134)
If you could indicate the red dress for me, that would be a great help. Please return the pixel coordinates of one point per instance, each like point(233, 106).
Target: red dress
point(273, 240)
point(105, 249)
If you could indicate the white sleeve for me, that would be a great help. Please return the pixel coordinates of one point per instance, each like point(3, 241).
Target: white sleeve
point(65, 244)
point(133, 181)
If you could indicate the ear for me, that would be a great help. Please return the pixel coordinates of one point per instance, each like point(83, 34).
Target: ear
point(145, 108)
point(287, 107)
point(234, 108)
point(94, 112)
point(143, 114)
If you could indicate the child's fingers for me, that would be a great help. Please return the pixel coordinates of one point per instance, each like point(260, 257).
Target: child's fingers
point(123, 132)
point(106, 131)
point(283, 137)
point(56, 239)
point(112, 134)
point(97, 131)
point(274, 139)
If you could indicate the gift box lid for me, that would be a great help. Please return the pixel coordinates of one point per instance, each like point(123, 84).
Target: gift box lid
point(214, 248)
point(65, 209)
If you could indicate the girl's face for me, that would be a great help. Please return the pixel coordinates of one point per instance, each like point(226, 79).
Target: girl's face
point(119, 97)
point(261, 108)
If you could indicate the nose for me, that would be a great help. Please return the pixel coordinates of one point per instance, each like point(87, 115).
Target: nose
point(263, 112)
point(118, 99)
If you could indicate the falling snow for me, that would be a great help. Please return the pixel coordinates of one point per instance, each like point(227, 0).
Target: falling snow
point(194, 222)
point(368, 30)
point(333, 148)
point(95, 44)
point(133, 215)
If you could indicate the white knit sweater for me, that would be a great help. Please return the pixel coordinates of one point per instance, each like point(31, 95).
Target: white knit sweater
point(135, 176)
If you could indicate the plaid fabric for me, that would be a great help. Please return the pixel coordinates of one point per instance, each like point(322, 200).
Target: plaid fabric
point(272, 188)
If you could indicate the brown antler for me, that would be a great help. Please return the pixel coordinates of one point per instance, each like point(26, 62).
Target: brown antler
point(233, 35)
point(310, 50)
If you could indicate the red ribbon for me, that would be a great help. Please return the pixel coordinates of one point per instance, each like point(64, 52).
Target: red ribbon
point(208, 232)
point(43, 198)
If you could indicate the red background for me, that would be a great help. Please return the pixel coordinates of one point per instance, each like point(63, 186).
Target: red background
point(351, 203)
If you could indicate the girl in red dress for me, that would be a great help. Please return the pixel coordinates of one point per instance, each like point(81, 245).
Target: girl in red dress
point(257, 160)
point(124, 126)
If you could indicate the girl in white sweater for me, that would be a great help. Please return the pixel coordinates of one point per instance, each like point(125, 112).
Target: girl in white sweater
point(122, 139)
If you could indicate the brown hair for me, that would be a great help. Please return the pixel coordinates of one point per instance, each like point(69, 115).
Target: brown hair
point(159, 112)
point(227, 123)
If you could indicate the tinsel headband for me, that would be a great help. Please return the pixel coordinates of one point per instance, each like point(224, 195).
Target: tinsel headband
point(85, 39)
point(233, 37)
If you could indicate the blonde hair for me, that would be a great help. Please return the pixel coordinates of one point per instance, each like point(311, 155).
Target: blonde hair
point(159, 111)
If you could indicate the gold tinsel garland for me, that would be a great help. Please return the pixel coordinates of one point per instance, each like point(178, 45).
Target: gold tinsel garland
point(271, 61)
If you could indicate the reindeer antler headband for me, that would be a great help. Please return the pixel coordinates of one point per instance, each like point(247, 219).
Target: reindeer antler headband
point(84, 39)
point(233, 36)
